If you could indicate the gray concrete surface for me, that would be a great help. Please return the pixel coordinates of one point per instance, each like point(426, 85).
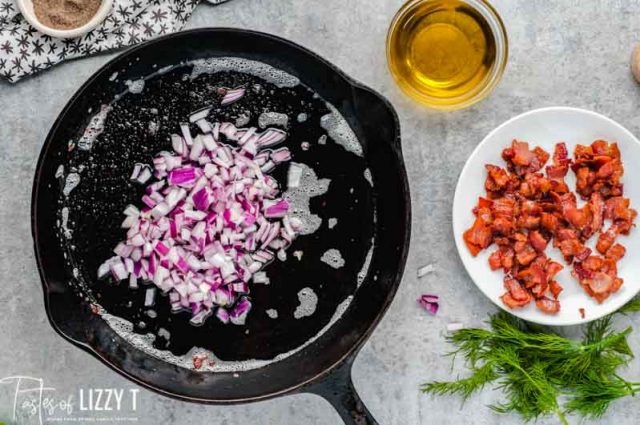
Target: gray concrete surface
point(562, 52)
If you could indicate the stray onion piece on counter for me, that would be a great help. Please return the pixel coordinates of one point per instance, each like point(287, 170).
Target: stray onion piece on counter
point(525, 209)
point(212, 219)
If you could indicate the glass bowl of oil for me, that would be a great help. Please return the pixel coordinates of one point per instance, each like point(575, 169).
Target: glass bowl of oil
point(447, 54)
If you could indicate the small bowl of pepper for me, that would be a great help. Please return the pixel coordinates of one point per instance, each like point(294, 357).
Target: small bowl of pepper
point(65, 18)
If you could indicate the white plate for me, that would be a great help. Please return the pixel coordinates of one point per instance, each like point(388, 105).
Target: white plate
point(545, 127)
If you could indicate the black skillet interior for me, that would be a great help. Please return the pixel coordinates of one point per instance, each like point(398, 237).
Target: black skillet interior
point(367, 216)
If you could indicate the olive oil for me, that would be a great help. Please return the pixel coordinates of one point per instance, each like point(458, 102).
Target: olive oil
point(441, 52)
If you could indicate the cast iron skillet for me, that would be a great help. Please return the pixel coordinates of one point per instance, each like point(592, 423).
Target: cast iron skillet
point(67, 265)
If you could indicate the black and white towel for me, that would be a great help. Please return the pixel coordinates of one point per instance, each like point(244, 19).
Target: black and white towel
point(25, 51)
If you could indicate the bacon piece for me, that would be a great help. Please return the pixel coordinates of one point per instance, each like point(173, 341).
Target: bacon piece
point(606, 239)
point(521, 160)
point(483, 210)
point(602, 147)
point(537, 241)
point(597, 207)
point(478, 236)
point(599, 169)
point(511, 302)
point(555, 288)
point(552, 269)
point(616, 252)
point(548, 305)
point(535, 186)
point(528, 222)
point(498, 180)
point(502, 258)
point(598, 277)
point(561, 156)
point(585, 179)
point(557, 172)
point(533, 275)
point(573, 249)
point(516, 290)
point(504, 207)
point(617, 209)
point(549, 222)
point(525, 253)
point(579, 218)
point(600, 283)
point(495, 260)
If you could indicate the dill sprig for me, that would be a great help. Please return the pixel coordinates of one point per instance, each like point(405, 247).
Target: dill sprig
point(535, 366)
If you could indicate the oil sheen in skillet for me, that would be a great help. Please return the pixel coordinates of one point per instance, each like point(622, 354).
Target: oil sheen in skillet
point(336, 184)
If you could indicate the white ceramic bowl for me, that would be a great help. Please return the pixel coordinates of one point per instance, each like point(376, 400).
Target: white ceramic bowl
point(26, 8)
point(545, 127)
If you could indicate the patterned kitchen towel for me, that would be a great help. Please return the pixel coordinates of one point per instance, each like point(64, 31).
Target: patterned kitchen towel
point(25, 51)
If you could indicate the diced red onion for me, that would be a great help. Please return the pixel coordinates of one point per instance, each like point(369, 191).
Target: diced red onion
point(222, 315)
point(429, 302)
point(186, 134)
point(281, 155)
point(270, 137)
point(232, 96)
point(144, 176)
point(239, 313)
point(260, 277)
point(294, 175)
point(136, 171)
point(199, 115)
point(149, 297)
point(211, 221)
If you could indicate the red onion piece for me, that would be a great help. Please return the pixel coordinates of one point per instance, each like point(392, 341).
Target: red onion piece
point(232, 96)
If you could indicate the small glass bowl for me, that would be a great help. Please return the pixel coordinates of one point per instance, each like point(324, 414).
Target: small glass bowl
point(478, 92)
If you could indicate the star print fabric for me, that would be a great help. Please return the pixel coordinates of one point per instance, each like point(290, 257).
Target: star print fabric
point(25, 51)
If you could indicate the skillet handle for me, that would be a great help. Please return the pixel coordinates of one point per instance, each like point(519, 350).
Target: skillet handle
point(337, 388)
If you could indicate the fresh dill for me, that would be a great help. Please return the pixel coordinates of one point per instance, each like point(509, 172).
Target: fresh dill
point(536, 367)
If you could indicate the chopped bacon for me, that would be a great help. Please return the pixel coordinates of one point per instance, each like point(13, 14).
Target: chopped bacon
point(555, 288)
point(606, 239)
point(511, 302)
point(534, 275)
point(597, 208)
point(598, 277)
point(573, 249)
point(502, 259)
point(617, 209)
point(483, 210)
point(521, 160)
point(549, 222)
point(553, 269)
point(600, 283)
point(598, 168)
point(537, 241)
point(547, 305)
point(498, 180)
point(525, 253)
point(516, 290)
point(616, 252)
point(557, 172)
point(527, 207)
point(478, 237)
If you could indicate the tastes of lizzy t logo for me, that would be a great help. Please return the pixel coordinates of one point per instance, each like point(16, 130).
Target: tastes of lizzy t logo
point(25, 400)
